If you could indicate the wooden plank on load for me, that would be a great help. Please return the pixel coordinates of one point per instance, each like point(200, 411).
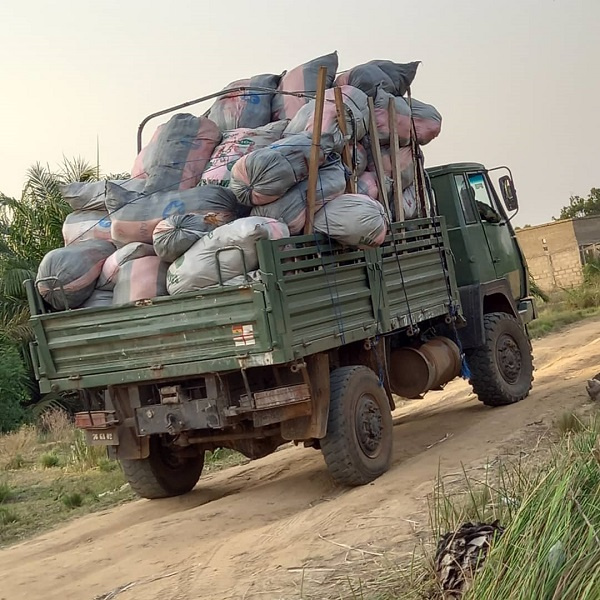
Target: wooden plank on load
point(396, 170)
point(376, 151)
point(315, 152)
point(340, 110)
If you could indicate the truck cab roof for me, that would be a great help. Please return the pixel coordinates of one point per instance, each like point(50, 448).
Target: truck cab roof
point(454, 168)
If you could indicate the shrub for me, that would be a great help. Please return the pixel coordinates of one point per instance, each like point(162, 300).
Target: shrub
point(72, 499)
point(13, 388)
point(8, 515)
point(49, 459)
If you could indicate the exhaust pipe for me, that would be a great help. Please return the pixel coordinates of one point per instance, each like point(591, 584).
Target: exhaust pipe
point(414, 371)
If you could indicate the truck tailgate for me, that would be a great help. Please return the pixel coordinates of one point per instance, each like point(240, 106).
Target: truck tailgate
point(167, 337)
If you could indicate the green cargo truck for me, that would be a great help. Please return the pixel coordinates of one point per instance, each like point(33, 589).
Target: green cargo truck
point(311, 351)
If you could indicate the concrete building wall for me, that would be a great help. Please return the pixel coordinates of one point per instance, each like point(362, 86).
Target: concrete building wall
point(552, 254)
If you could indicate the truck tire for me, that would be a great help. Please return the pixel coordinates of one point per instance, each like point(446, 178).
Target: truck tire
point(358, 445)
point(502, 369)
point(162, 474)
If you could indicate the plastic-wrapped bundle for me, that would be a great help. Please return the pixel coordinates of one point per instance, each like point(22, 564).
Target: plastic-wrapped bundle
point(90, 195)
point(405, 163)
point(110, 269)
point(173, 236)
point(245, 109)
point(98, 299)
point(197, 268)
point(428, 121)
point(291, 207)
point(134, 217)
point(67, 276)
point(235, 144)
point(353, 220)
point(141, 279)
point(394, 78)
point(83, 225)
point(266, 175)
point(302, 79)
point(177, 154)
point(356, 113)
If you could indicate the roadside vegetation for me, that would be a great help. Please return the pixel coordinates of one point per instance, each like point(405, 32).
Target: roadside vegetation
point(547, 502)
point(568, 306)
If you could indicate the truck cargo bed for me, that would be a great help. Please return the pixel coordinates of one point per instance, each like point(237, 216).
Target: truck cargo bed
point(313, 295)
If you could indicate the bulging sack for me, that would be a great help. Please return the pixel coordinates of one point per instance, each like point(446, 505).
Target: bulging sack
point(91, 195)
point(173, 236)
point(110, 269)
point(67, 276)
point(302, 79)
point(235, 144)
point(394, 78)
point(291, 207)
point(251, 108)
point(177, 154)
point(198, 269)
point(356, 117)
point(83, 225)
point(134, 217)
point(141, 279)
point(353, 220)
point(427, 120)
point(98, 299)
point(266, 175)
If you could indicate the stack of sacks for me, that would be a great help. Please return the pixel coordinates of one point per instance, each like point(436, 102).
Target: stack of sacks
point(90, 219)
point(134, 217)
point(291, 207)
point(267, 174)
point(198, 178)
point(302, 79)
point(67, 276)
point(177, 154)
point(197, 268)
point(235, 144)
point(356, 116)
point(247, 109)
point(353, 220)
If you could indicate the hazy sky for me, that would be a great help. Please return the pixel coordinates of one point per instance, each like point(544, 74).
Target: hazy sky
point(517, 81)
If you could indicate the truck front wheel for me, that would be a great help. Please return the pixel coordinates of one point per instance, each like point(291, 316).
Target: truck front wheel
point(502, 369)
point(358, 445)
point(163, 474)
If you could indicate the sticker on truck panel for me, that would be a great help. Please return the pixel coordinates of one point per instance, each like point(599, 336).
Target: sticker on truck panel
point(243, 335)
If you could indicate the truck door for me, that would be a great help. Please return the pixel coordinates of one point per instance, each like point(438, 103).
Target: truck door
point(497, 230)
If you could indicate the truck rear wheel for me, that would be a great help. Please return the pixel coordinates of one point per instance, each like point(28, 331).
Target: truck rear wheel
point(502, 369)
point(163, 474)
point(358, 445)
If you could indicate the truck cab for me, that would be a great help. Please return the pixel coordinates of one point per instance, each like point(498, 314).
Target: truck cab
point(490, 267)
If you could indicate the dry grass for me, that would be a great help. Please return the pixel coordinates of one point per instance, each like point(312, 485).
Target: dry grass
point(18, 448)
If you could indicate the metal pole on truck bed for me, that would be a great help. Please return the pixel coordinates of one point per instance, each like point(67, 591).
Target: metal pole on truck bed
point(315, 152)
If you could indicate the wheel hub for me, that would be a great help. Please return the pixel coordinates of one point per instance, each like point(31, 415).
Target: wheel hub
point(509, 358)
point(369, 425)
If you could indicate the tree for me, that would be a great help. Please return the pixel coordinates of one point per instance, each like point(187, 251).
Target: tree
point(29, 228)
point(582, 207)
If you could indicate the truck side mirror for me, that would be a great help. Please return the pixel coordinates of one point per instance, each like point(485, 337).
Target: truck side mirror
point(509, 194)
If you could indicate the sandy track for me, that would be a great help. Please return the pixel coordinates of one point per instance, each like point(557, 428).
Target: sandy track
point(247, 531)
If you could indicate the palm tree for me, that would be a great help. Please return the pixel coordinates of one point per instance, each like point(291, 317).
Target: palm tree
point(29, 228)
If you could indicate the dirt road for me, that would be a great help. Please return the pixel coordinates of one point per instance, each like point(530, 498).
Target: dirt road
point(247, 532)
